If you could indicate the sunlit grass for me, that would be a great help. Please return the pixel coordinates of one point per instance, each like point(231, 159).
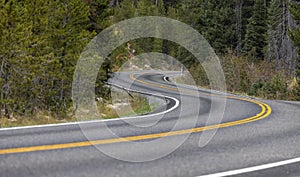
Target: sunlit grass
point(138, 105)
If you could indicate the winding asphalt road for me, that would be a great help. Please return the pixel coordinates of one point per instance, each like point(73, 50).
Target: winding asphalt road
point(254, 138)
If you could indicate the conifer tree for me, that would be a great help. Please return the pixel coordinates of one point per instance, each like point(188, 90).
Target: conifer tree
point(214, 19)
point(100, 12)
point(255, 38)
point(8, 13)
point(275, 22)
point(69, 35)
point(40, 44)
point(15, 33)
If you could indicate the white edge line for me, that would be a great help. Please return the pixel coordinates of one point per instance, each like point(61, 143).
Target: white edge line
point(165, 79)
point(104, 120)
point(254, 168)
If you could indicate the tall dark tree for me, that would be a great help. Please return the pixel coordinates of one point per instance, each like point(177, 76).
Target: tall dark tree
point(69, 37)
point(40, 43)
point(100, 12)
point(215, 20)
point(255, 38)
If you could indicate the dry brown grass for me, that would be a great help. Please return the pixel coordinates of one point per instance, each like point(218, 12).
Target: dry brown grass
point(138, 105)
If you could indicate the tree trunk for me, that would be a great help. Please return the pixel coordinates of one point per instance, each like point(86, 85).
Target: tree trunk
point(238, 10)
point(135, 3)
point(281, 47)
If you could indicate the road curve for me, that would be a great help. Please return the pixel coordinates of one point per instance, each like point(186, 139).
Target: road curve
point(255, 138)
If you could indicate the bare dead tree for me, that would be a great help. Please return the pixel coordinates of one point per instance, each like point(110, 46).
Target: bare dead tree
point(280, 46)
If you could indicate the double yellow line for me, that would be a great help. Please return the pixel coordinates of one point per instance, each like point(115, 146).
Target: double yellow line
point(265, 112)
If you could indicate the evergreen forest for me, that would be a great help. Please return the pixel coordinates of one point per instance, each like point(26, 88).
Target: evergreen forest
point(257, 42)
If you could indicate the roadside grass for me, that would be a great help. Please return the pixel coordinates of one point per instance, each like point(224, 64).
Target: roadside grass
point(182, 80)
point(136, 105)
point(258, 79)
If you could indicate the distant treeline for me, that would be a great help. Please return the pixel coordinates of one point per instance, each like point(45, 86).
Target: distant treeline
point(41, 41)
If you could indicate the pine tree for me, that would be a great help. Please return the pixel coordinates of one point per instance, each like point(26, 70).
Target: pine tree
point(275, 22)
point(15, 34)
point(8, 15)
point(69, 35)
point(215, 20)
point(40, 44)
point(126, 9)
point(295, 33)
point(100, 12)
point(247, 12)
point(255, 38)
point(221, 27)
point(33, 65)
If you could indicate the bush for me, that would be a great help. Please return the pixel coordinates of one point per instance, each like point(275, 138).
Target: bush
point(259, 78)
point(256, 87)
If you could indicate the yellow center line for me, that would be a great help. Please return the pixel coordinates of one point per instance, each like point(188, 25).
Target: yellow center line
point(265, 112)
